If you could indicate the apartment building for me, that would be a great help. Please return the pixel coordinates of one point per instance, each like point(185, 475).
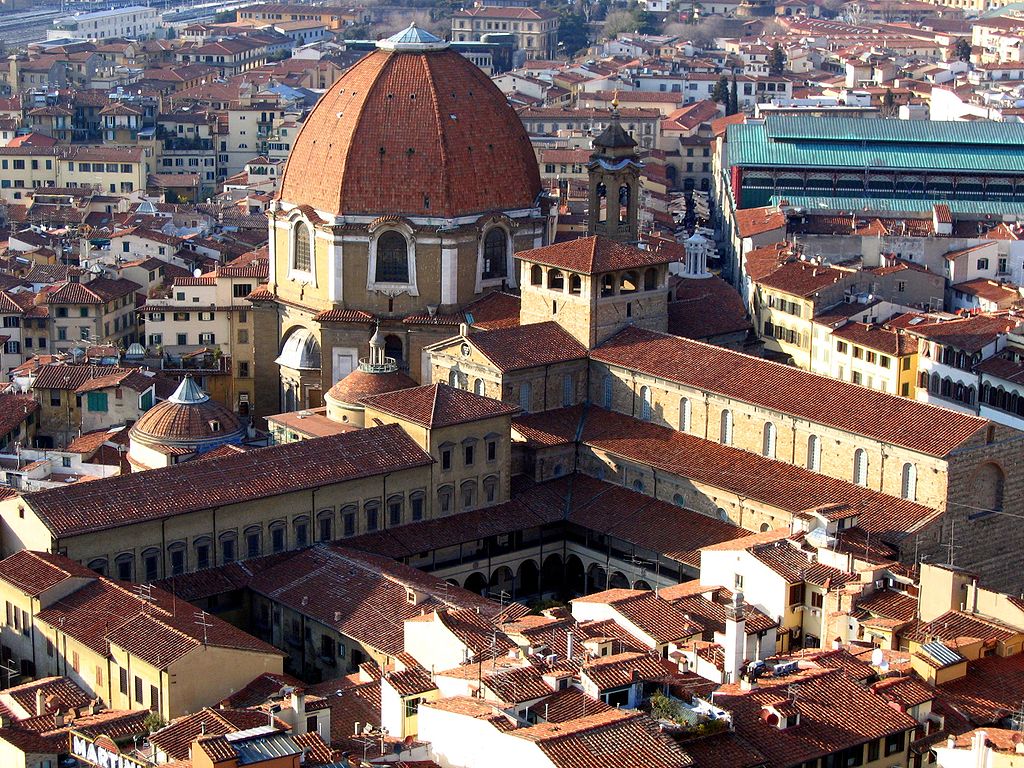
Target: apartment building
point(102, 310)
point(535, 30)
point(115, 170)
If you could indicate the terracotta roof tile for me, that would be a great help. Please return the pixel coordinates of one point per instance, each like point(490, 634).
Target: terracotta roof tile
point(35, 572)
point(362, 596)
point(528, 346)
point(969, 334)
point(889, 604)
point(495, 310)
point(100, 290)
point(989, 692)
point(757, 221)
point(192, 486)
point(802, 278)
point(781, 485)
point(593, 255)
point(835, 713)
point(704, 309)
point(622, 669)
point(433, 118)
point(438, 405)
point(908, 423)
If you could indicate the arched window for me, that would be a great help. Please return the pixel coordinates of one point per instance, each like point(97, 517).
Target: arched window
point(151, 564)
point(371, 513)
point(936, 383)
point(725, 429)
point(467, 495)
point(495, 264)
point(278, 536)
point(624, 194)
point(124, 566)
point(392, 258)
point(253, 541)
point(568, 390)
point(453, 378)
point(228, 542)
point(814, 453)
point(575, 285)
point(349, 513)
point(988, 487)
point(628, 283)
point(203, 547)
point(556, 280)
point(607, 286)
point(478, 387)
point(684, 414)
point(908, 489)
point(606, 391)
point(301, 253)
point(490, 489)
point(99, 565)
point(300, 527)
point(768, 440)
point(536, 275)
point(525, 396)
point(645, 403)
point(444, 500)
point(650, 279)
point(325, 525)
point(923, 380)
point(638, 485)
point(860, 467)
point(417, 501)
point(679, 500)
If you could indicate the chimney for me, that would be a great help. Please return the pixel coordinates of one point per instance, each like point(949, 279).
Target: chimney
point(568, 645)
point(58, 718)
point(40, 702)
point(299, 708)
point(735, 638)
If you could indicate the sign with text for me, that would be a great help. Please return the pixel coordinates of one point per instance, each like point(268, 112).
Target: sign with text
point(101, 751)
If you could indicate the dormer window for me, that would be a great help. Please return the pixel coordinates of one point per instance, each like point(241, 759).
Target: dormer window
point(215, 426)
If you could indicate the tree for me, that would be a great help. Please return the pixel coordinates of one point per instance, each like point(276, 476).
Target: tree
point(572, 32)
point(888, 103)
point(645, 23)
point(618, 22)
point(664, 708)
point(223, 17)
point(721, 91)
point(777, 61)
point(734, 98)
point(962, 49)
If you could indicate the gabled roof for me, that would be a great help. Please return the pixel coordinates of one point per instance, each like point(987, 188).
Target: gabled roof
point(594, 255)
point(528, 346)
point(969, 334)
point(835, 712)
point(888, 418)
point(35, 572)
point(193, 486)
point(100, 290)
point(438, 405)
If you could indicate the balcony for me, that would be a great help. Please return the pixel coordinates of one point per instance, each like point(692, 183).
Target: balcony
point(187, 145)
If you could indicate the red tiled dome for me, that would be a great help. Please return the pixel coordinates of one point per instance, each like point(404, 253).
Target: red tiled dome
point(412, 132)
point(187, 417)
point(359, 384)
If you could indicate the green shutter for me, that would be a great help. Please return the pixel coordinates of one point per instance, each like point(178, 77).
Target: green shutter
point(97, 401)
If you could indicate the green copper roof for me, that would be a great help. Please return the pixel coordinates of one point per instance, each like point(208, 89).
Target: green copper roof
point(858, 143)
point(882, 205)
point(805, 128)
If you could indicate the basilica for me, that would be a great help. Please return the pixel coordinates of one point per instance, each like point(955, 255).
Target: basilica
point(408, 190)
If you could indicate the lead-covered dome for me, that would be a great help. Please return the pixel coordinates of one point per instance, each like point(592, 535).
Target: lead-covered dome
point(414, 128)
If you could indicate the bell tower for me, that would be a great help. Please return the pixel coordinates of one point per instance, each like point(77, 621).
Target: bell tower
point(614, 174)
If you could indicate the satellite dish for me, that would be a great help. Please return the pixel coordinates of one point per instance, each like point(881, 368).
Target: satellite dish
point(877, 657)
point(197, 272)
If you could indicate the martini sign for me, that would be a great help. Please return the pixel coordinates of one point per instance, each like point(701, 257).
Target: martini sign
point(101, 751)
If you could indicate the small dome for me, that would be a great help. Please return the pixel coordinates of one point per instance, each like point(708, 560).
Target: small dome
point(301, 352)
point(187, 418)
point(360, 384)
